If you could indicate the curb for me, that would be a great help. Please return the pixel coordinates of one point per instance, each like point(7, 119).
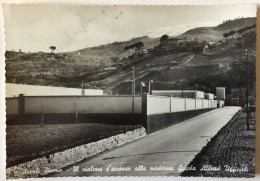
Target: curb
point(55, 162)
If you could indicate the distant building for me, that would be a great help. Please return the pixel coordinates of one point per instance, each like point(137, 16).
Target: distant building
point(205, 49)
point(180, 93)
point(220, 93)
point(13, 90)
point(209, 96)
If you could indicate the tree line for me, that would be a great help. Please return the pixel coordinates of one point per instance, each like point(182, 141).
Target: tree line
point(239, 32)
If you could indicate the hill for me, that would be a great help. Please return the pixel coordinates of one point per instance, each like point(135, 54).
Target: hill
point(109, 67)
point(216, 33)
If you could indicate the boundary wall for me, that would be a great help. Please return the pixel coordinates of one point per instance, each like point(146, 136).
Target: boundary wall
point(153, 112)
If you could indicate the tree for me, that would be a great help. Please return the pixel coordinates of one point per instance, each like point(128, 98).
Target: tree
point(231, 33)
point(226, 35)
point(240, 32)
point(52, 48)
point(139, 45)
point(164, 38)
point(127, 48)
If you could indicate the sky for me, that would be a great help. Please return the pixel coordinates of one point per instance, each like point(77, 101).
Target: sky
point(34, 28)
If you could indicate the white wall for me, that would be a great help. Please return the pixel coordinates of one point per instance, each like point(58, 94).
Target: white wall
point(35, 90)
point(205, 103)
point(178, 104)
point(213, 103)
point(221, 103)
point(198, 104)
point(12, 106)
point(157, 104)
point(190, 104)
point(85, 104)
point(106, 104)
point(165, 104)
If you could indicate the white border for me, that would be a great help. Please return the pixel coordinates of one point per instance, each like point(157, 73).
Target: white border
point(97, 2)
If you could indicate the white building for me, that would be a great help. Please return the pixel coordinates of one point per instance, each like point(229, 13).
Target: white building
point(13, 90)
point(179, 93)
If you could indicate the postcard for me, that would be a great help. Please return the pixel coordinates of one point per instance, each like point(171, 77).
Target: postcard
point(126, 90)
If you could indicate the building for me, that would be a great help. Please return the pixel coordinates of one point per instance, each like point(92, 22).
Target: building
point(209, 96)
point(180, 93)
point(220, 93)
point(13, 90)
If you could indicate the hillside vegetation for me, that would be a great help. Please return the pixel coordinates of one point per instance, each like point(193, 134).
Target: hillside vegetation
point(216, 33)
point(207, 59)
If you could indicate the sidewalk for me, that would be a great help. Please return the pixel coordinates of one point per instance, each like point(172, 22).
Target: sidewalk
point(232, 150)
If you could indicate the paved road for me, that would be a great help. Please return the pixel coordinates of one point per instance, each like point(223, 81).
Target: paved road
point(159, 152)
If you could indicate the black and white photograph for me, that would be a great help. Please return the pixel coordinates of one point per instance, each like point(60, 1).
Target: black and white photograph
point(127, 90)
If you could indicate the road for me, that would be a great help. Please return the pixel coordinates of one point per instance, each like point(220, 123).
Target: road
point(160, 153)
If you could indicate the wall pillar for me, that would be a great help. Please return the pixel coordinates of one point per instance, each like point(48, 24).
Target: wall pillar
point(185, 104)
point(144, 104)
point(21, 105)
point(144, 111)
point(171, 103)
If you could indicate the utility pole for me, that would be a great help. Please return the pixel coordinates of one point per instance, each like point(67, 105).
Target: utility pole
point(247, 89)
point(133, 91)
point(149, 87)
point(181, 88)
point(141, 89)
point(82, 89)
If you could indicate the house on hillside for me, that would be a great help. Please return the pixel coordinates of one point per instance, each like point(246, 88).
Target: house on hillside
point(140, 51)
point(205, 49)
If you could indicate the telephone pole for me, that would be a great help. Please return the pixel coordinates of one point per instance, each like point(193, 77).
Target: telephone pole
point(247, 90)
point(133, 91)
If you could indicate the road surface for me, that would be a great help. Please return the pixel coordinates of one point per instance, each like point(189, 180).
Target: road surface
point(160, 153)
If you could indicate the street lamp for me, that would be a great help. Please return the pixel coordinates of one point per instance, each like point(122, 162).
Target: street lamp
point(142, 85)
point(196, 85)
point(149, 87)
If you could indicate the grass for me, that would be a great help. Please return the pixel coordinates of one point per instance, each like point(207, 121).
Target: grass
point(27, 142)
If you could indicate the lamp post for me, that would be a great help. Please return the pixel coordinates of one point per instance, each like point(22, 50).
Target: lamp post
point(149, 87)
point(142, 85)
